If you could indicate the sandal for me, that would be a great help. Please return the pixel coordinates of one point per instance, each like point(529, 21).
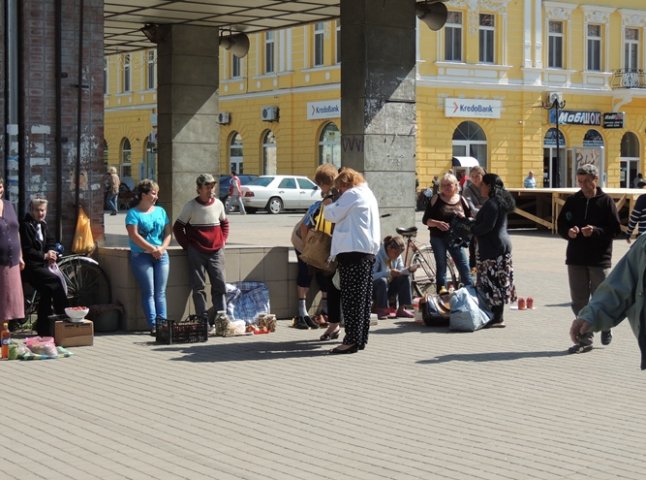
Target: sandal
point(330, 335)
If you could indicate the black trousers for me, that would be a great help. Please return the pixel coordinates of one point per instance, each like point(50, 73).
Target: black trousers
point(52, 297)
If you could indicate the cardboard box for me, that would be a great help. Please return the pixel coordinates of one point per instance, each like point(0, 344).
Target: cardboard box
point(71, 334)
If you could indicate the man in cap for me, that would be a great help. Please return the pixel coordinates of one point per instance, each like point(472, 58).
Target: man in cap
point(589, 222)
point(202, 229)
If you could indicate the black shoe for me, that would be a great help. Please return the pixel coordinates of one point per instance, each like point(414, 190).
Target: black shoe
point(310, 323)
point(113, 213)
point(606, 337)
point(339, 351)
point(300, 323)
point(579, 348)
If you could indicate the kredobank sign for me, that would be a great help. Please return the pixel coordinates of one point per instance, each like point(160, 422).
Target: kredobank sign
point(326, 109)
point(473, 108)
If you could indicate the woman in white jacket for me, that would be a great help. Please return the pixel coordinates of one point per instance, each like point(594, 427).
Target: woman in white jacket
point(355, 243)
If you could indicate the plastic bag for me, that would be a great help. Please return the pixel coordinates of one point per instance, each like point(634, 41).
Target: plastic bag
point(468, 313)
point(83, 240)
point(42, 346)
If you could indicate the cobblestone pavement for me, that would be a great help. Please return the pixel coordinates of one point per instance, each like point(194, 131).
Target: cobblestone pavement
point(418, 403)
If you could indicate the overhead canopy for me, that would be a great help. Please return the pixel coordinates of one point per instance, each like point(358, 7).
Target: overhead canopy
point(467, 162)
point(124, 19)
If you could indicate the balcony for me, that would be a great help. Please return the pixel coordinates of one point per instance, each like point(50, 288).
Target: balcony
point(623, 78)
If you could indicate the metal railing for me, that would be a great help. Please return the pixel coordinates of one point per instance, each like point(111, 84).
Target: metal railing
point(628, 78)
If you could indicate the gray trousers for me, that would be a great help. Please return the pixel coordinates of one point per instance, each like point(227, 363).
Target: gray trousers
point(211, 264)
point(584, 281)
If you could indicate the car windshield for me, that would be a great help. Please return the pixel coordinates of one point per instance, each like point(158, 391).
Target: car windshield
point(262, 181)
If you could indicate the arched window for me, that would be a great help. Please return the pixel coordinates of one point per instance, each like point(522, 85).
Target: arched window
point(330, 145)
point(269, 153)
point(235, 153)
point(629, 161)
point(125, 165)
point(553, 163)
point(592, 138)
point(469, 140)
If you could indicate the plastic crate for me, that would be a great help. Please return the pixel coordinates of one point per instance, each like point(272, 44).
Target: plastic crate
point(192, 329)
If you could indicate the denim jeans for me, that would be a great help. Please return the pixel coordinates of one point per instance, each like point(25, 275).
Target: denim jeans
point(152, 277)
point(112, 201)
point(399, 285)
point(440, 246)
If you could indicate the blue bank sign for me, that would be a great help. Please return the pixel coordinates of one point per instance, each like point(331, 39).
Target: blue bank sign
point(325, 109)
point(473, 108)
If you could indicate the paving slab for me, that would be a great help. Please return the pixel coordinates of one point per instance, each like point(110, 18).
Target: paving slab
point(419, 403)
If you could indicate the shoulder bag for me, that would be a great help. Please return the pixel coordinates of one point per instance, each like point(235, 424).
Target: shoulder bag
point(316, 248)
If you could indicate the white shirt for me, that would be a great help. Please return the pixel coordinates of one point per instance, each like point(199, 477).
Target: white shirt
point(356, 222)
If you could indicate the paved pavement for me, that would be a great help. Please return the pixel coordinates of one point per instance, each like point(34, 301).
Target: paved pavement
point(418, 403)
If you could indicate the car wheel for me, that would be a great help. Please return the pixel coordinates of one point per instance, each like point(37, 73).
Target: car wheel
point(275, 205)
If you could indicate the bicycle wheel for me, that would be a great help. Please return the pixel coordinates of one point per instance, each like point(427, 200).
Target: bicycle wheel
point(87, 283)
point(425, 276)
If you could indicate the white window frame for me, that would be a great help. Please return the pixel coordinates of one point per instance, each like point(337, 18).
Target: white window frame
point(634, 47)
point(236, 66)
point(270, 52)
point(151, 69)
point(318, 55)
point(126, 78)
point(555, 45)
point(454, 32)
point(593, 48)
point(487, 39)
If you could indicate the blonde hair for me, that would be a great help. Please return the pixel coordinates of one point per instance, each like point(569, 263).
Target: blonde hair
point(348, 178)
point(112, 170)
point(37, 202)
point(449, 177)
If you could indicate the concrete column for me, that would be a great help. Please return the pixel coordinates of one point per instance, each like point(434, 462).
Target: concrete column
point(378, 102)
point(188, 133)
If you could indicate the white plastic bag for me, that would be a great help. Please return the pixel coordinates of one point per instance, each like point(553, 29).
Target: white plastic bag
point(467, 314)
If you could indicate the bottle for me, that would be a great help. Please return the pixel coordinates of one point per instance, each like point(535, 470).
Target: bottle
point(5, 338)
point(530, 303)
point(521, 303)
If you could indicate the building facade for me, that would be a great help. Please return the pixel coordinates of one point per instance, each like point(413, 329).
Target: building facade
point(516, 85)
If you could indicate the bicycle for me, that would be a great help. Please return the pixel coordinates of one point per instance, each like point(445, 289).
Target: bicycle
point(422, 256)
point(87, 284)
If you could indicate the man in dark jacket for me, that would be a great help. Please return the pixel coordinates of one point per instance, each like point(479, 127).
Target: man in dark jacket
point(589, 222)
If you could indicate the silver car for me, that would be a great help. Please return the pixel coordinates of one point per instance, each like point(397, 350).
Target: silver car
point(276, 193)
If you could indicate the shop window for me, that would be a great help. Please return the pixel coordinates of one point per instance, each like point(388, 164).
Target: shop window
point(236, 158)
point(469, 140)
point(150, 158)
point(487, 38)
point(125, 165)
point(453, 37)
point(269, 166)
point(629, 161)
point(330, 145)
point(554, 158)
point(592, 138)
point(555, 44)
point(338, 41)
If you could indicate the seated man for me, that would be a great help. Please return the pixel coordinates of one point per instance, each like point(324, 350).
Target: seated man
point(619, 296)
point(390, 277)
point(41, 271)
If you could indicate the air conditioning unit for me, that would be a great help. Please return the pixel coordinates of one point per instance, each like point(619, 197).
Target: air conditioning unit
point(554, 97)
point(269, 114)
point(224, 118)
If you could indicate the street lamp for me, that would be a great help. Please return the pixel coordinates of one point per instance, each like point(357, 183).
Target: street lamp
point(555, 102)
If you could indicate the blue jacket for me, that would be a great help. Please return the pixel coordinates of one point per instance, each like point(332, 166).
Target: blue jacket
point(621, 295)
point(380, 268)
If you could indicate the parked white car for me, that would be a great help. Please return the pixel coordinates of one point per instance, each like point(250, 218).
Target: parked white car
point(276, 193)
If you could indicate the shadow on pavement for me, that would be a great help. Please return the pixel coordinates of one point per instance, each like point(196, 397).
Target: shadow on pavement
point(243, 352)
point(493, 356)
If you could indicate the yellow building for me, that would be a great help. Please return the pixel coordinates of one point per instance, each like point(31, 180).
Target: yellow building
point(489, 86)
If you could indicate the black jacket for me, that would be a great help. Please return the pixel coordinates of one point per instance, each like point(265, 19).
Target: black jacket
point(33, 250)
point(600, 212)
